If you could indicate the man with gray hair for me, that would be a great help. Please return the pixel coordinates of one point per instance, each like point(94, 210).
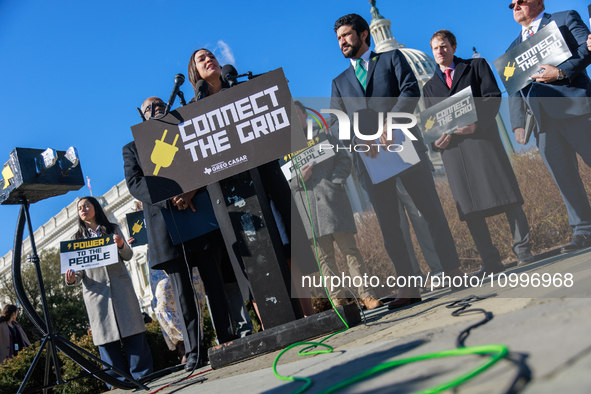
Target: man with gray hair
point(560, 100)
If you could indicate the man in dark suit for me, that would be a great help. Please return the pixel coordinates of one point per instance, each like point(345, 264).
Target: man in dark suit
point(164, 255)
point(560, 99)
point(478, 170)
point(389, 85)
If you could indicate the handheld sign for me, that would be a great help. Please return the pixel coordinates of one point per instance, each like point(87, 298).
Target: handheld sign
point(88, 253)
point(518, 64)
point(319, 149)
point(448, 115)
point(137, 228)
point(219, 136)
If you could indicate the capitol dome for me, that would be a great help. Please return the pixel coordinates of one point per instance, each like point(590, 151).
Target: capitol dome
point(422, 64)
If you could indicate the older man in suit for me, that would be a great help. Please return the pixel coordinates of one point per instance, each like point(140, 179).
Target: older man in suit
point(385, 83)
point(560, 99)
point(479, 172)
point(164, 255)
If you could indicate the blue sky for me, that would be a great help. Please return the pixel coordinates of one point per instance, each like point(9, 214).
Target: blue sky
point(73, 72)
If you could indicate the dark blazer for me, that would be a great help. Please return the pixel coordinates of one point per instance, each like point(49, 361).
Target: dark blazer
point(391, 87)
point(477, 167)
point(161, 247)
point(574, 91)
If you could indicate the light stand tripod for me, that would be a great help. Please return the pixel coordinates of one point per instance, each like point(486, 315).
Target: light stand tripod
point(31, 175)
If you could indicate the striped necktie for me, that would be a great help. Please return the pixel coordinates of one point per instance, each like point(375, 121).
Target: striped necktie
point(448, 79)
point(361, 73)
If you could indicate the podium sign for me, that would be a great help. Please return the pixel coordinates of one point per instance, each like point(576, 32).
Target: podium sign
point(518, 64)
point(217, 137)
point(448, 115)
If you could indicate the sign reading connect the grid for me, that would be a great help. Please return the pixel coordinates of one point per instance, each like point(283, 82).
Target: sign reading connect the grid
point(518, 64)
point(219, 136)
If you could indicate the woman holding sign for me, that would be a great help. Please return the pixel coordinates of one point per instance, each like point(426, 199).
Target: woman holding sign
point(111, 303)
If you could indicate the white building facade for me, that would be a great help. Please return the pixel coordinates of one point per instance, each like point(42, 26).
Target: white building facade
point(116, 203)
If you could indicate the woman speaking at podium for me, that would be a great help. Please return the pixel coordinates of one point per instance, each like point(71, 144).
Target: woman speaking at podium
point(203, 66)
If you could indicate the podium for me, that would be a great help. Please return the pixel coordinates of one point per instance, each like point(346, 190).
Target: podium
point(250, 229)
point(230, 142)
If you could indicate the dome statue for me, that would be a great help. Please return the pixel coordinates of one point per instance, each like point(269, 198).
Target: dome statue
point(422, 64)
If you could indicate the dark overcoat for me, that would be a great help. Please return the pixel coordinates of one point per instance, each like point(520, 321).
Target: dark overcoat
point(161, 248)
point(480, 175)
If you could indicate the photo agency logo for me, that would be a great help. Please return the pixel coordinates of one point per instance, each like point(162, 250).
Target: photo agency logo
point(368, 126)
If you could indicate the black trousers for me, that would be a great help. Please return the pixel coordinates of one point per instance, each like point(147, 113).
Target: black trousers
point(420, 186)
point(180, 280)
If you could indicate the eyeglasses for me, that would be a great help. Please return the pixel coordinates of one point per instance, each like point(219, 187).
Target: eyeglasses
point(518, 2)
point(157, 104)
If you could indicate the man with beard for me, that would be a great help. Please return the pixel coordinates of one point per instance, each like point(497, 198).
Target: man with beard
point(385, 83)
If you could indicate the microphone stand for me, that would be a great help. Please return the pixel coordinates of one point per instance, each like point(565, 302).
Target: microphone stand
point(176, 91)
point(52, 340)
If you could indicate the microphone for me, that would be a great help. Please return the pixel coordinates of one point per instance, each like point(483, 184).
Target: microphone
point(179, 79)
point(229, 74)
point(201, 88)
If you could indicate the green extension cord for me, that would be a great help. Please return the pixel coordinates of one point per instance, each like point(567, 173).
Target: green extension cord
point(496, 352)
point(310, 345)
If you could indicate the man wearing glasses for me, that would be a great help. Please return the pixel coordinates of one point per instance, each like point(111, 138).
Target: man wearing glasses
point(560, 99)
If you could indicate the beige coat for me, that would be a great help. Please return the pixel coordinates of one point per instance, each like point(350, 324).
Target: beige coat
point(5, 341)
point(112, 306)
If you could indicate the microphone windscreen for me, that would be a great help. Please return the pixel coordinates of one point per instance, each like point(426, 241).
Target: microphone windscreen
point(179, 79)
point(228, 70)
point(201, 86)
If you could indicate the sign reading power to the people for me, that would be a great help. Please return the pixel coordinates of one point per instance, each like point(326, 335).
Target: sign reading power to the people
point(88, 253)
point(219, 136)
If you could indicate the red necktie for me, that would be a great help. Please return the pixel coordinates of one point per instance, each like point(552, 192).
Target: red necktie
point(448, 80)
point(447, 73)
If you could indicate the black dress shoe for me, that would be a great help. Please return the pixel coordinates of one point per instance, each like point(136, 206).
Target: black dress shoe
point(192, 362)
point(579, 242)
point(490, 268)
point(403, 302)
point(525, 259)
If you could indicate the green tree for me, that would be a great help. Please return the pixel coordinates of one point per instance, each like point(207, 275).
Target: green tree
point(66, 306)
